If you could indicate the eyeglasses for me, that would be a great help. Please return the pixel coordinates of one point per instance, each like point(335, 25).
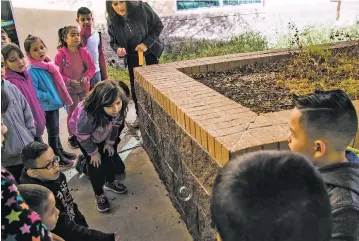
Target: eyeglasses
point(51, 165)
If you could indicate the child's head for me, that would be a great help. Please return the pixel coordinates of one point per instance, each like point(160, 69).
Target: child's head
point(69, 37)
point(4, 38)
point(40, 161)
point(42, 201)
point(322, 125)
point(14, 58)
point(271, 195)
point(106, 99)
point(84, 17)
point(35, 48)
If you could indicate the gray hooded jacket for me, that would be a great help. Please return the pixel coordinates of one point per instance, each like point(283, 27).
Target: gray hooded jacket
point(20, 124)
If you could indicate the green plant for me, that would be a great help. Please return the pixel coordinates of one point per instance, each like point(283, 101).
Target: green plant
point(315, 67)
point(178, 49)
point(184, 49)
point(314, 35)
point(118, 74)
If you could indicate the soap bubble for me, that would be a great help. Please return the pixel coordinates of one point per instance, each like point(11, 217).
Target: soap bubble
point(184, 193)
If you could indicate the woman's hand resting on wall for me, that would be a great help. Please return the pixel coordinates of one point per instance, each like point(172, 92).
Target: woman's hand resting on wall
point(141, 47)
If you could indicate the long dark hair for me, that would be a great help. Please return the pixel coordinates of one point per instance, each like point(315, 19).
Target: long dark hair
point(104, 94)
point(111, 14)
point(62, 33)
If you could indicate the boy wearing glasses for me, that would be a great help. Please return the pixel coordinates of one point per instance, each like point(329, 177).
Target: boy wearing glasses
point(41, 167)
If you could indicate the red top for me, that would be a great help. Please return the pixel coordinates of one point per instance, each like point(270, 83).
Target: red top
point(77, 65)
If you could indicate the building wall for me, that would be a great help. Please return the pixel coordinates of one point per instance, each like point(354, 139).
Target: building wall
point(270, 18)
point(43, 23)
point(163, 7)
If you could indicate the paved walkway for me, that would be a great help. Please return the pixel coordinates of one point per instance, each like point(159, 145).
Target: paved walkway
point(144, 213)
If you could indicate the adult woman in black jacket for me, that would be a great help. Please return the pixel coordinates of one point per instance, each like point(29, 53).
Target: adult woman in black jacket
point(133, 26)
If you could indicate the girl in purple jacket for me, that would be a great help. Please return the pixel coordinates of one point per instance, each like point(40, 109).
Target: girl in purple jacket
point(16, 74)
point(96, 122)
point(76, 67)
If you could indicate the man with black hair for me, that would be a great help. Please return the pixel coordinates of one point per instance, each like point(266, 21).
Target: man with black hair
point(321, 127)
point(271, 196)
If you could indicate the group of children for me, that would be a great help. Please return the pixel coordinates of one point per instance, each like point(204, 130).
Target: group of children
point(281, 196)
point(275, 195)
point(32, 93)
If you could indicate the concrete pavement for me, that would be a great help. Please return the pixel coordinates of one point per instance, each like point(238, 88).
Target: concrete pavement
point(144, 213)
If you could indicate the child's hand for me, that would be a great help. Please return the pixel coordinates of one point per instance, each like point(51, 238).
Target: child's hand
point(75, 83)
point(141, 47)
point(96, 160)
point(109, 149)
point(121, 52)
point(117, 237)
point(84, 80)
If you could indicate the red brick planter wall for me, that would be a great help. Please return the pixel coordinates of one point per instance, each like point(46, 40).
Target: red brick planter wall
point(190, 130)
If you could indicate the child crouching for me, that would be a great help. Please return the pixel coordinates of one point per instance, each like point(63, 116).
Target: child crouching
point(96, 122)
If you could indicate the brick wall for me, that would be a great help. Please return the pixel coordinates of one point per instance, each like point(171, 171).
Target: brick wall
point(190, 131)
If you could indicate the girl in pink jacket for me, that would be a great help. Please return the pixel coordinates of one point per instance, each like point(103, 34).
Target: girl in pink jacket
point(76, 67)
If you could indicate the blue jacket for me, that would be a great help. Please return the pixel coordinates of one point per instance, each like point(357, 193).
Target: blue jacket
point(45, 88)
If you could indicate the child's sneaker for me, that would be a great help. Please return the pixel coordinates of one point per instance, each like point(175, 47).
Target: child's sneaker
point(68, 155)
point(103, 205)
point(72, 142)
point(116, 186)
point(66, 162)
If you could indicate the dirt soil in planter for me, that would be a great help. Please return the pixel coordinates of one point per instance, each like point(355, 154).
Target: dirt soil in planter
point(270, 87)
point(253, 86)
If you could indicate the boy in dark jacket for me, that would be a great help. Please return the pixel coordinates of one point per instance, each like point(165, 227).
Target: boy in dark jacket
point(41, 168)
point(322, 125)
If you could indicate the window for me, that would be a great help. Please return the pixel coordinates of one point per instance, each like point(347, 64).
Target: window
point(239, 2)
point(193, 4)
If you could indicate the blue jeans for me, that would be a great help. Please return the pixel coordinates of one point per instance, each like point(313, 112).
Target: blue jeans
point(95, 79)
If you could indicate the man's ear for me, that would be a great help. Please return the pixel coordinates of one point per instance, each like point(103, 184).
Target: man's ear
point(31, 173)
point(77, 20)
point(320, 148)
